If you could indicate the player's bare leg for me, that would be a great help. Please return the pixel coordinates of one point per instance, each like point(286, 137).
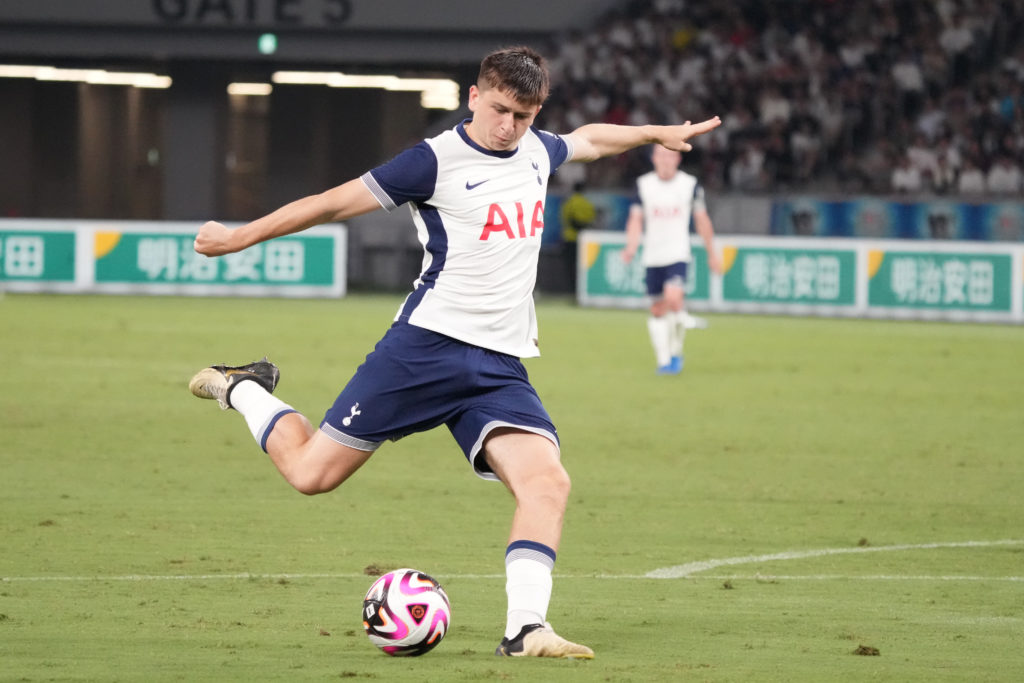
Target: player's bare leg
point(528, 464)
point(308, 459)
point(675, 312)
point(665, 330)
point(530, 467)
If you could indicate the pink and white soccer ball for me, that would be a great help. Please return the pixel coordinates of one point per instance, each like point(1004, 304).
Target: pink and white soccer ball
point(406, 613)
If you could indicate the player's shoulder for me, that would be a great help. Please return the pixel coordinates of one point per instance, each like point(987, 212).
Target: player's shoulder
point(646, 178)
point(545, 135)
point(445, 138)
point(545, 138)
point(683, 176)
point(685, 182)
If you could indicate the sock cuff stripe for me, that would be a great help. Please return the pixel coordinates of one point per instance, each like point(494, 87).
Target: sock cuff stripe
point(269, 426)
point(530, 550)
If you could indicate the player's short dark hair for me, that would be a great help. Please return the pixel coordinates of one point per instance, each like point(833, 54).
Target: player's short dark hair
point(519, 71)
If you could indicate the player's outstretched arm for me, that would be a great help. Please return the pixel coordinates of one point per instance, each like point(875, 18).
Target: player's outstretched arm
point(597, 140)
point(702, 222)
point(337, 204)
point(634, 232)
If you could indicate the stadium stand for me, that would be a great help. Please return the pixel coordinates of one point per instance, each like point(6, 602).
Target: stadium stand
point(816, 95)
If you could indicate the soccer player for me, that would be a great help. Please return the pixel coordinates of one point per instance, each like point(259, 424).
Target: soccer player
point(452, 355)
point(667, 198)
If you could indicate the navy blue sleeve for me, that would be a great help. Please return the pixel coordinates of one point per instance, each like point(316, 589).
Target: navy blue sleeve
point(409, 177)
point(558, 150)
point(699, 202)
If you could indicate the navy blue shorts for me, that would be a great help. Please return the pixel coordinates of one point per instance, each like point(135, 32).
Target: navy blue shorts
point(657, 277)
point(416, 379)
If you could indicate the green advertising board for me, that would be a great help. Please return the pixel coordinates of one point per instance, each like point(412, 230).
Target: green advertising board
point(135, 257)
point(149, 258)
point(938, 280)
point(41, 256)
point(605, 277)
point(821, 277)
point(966, 281)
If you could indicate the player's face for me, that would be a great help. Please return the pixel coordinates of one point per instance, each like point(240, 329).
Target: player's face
point(665, 161)
point(499, 120)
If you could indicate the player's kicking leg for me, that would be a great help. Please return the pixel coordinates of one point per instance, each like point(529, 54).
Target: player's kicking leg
point(529, 466)
point(309, 460)
point(218, 381)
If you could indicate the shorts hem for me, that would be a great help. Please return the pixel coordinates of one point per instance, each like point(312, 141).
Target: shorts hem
point(345, 440)
point(478, 447)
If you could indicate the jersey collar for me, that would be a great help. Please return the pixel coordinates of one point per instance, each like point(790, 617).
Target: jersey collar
point(501, 154)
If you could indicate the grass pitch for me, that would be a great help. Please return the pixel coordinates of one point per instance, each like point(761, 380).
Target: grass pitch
point(821, 490)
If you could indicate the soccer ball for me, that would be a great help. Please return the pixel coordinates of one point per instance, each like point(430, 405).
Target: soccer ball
point(406, 613)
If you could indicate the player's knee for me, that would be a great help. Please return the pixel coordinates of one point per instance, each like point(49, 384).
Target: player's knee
point(309, 488)
point(312, 483)
point(557, 484)
point(564, 486)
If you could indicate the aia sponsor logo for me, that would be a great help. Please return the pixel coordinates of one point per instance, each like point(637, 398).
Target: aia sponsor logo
point(499, 221)
point(667, 211)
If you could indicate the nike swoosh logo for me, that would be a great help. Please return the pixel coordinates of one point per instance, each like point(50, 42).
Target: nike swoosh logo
point(473, 186)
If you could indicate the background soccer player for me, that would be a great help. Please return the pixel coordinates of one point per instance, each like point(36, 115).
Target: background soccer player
point(452, 356)
point(667, 199)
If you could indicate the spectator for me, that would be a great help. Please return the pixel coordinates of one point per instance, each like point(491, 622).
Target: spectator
point(932, 121)
point(906, 177)
point(971, 181)
point(1005, 177)
point(774, 106)
point(949, 153)
point(747, 172)
point(922, 155)
point(944, 179)
point(957, 40)
point(805, 143)
point(907, 75)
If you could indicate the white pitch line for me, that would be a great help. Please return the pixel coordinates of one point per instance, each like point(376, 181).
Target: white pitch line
point(687, 570)
point(681, 571)
point(768, 578)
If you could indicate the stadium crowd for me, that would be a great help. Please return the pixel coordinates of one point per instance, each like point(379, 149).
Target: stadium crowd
point(815, 95)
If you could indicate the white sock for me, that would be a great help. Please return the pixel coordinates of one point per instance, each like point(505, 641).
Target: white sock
point(692, 322)
point(660, 331)
point(678, 332)
point(528, 585)
point(260, 409)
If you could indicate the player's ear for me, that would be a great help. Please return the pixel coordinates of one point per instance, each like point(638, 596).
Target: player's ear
point(474, 97)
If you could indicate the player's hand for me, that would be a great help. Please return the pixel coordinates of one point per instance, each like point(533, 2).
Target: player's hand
point(675, 137)
point(212, 239)
point(627, 255)
point(715, 262)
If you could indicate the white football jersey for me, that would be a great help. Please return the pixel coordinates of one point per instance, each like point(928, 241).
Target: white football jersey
point(668, 206)
point(479, 215)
